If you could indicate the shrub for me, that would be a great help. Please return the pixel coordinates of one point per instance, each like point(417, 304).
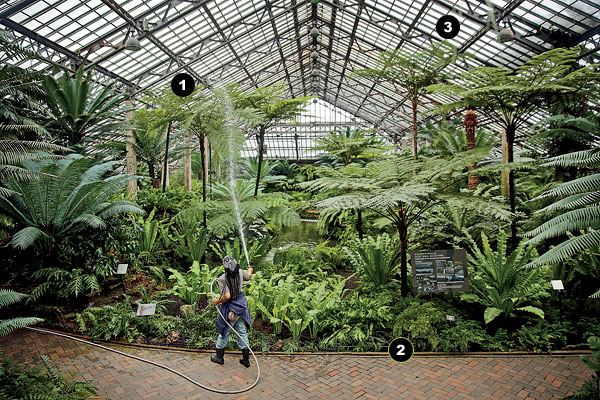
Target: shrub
point(376, 259)
point(21, 382)
point(422, 324)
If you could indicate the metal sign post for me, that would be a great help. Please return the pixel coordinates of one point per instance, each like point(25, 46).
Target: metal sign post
point(122, 270)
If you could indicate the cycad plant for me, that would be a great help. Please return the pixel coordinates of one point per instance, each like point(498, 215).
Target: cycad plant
point(81, 109)
point(401, 190)
point(20, 94)
point(50, 209)
point(20, 90)
point(502, 282)
point(375, 258)
point(8, 297)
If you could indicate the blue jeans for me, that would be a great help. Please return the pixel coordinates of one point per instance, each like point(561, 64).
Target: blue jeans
point(239, 326)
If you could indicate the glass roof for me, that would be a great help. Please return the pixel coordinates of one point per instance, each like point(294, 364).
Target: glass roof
point(258, 43)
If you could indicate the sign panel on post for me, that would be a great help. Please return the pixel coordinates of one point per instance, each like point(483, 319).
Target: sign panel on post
point(440, 271)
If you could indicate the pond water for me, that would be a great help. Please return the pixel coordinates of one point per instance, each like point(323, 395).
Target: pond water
point(304, 235)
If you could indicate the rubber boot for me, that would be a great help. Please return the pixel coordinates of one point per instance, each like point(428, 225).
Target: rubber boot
point(218, 358)
point(245, 360)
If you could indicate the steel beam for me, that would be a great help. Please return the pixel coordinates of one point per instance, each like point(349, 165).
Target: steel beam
point(361, 6)
point(60, 49)
point(276, 38)
point(16, 8)
point(198, 56)
point(134, 24)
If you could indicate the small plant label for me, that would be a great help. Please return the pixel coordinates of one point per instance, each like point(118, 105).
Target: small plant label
point(401, 349)
point(146, 309)
point(450, 318)
point(557, 284)
point(122, 269)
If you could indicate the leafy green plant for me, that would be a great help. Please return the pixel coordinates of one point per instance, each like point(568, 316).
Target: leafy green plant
point(579, 210)
point(462, 335)
point(264, 208)
point(147, 237)
point(80, 109)
point(256, 252)
point(8, 297)
point(50, 209)
point(502, 282)
point(375, 258)
point(421, 324)
point(22, 382)
point(401, 190)
point(593, 363)
point(195, 283)
point(69, 283)
point(110, 321)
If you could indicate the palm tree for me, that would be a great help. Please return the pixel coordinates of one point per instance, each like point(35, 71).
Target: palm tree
point(402, 189)
point(73, 194)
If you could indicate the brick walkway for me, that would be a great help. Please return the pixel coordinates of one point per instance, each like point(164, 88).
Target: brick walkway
point(306, 377)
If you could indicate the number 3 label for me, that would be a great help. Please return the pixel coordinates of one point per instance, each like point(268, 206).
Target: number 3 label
point(447, 26)
point(401, 349)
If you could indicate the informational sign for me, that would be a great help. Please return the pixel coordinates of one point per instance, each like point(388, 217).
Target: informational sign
point(122, 269)
point(557, 285)
point(146, 309)
point(440, 271)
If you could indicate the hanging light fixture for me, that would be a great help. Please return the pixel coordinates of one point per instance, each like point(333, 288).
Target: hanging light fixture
point(314, 32)
point(506, 34)
point(132, 44)
point(314, 55)
point(314, 1)
point(314, 72)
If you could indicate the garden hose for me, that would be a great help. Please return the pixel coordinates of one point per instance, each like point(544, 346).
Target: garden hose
point(161, 365)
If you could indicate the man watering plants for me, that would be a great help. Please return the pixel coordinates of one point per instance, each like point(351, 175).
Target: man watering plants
point(235, 308)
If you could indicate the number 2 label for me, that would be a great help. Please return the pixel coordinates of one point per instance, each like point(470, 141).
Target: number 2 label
point(401, 351)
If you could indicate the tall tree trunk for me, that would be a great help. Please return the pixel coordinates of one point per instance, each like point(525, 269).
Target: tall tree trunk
point(403, 232)
point(131, 160)
point(359, 223)
point(470, 127)
point(508, 178)
point(187, 162)
point(202, 159)
point(165, 167)
point(152, 173)
point(261, 141)
point(414, 120)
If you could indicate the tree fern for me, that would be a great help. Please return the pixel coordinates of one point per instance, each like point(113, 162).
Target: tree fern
point(401, 189)
point(582, 203)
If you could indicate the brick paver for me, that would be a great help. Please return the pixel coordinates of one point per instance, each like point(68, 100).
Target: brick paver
point(304, 377)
